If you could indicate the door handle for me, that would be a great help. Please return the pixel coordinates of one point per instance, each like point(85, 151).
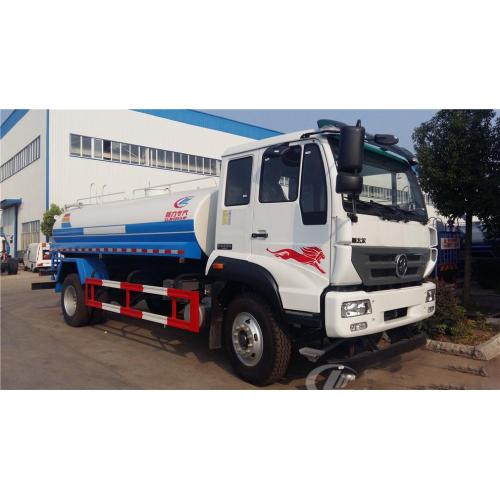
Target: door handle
point(260, 234)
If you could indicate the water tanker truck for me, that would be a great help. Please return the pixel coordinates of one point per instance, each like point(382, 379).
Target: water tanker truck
point(315, 241)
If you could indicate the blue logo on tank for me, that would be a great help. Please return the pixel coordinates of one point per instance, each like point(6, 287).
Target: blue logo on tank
point(182, 202)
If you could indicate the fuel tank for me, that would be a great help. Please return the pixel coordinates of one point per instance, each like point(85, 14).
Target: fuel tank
point(177, 224)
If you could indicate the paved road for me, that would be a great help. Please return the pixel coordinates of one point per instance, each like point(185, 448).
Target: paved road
point(39, 351)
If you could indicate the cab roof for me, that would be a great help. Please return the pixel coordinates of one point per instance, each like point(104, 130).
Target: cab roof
point(247, 147)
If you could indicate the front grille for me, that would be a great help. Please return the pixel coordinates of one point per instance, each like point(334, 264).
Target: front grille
point(376, 265)
point(391, 257)
point(377, 273)
point(395, 313)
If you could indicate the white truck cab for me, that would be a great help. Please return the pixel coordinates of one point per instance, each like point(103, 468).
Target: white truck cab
point(350, 260)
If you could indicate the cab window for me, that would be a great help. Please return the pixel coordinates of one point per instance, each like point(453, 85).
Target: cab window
point(238, 182)
point(313, 193)
point(280, 173)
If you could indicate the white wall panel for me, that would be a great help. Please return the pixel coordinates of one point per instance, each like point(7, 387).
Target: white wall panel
point(72, 178)
point(29, 183)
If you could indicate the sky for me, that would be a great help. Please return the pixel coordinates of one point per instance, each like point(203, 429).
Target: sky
point(400, 122)
point(4, 113)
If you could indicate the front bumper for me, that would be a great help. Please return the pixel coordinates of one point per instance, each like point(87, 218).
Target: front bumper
point(410, 298)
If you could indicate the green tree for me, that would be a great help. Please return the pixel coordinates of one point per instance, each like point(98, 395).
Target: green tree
point(458, 153)
point(491, 220)
point(49, 219)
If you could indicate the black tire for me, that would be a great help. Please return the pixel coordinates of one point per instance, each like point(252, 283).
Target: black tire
point(81, 315)
point(157, 305)
point(277, 347)
point(12, 266)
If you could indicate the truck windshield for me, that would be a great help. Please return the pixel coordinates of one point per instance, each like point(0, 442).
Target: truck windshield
point(390, 188)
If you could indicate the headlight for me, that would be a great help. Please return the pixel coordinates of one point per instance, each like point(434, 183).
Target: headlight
point(431, 295)
point(355, 308)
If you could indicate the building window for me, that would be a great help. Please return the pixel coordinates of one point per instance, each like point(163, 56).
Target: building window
point(30, 233)
point(185, 162)
point(177, 161)
point(21, 160)
point(199, 164)
point(161, 158)
point(125, 150)
point(115, 151)
point(169, 162)
point(143, 154)
point(134, 154)
point(98, 149)
point(75, 144)
point(87, 147)
point(104, 149)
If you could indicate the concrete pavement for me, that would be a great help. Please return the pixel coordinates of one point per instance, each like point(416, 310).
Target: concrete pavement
point(39, 351)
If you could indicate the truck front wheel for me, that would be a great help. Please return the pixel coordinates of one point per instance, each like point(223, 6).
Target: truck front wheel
point(258, 347)
point(75, 312)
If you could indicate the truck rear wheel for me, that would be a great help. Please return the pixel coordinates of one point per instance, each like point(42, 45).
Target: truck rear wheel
point(75, 312)
point(259, 349)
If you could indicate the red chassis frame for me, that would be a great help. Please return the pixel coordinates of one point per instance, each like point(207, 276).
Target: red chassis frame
point(173, 294)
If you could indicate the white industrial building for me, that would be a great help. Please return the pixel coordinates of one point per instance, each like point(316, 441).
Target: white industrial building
point(55, 156)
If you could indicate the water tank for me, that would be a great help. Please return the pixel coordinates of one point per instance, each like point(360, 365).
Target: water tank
point(177, 224)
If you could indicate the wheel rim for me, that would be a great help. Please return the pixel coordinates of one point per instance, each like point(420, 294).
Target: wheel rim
point(70, 300)
point(247, 337)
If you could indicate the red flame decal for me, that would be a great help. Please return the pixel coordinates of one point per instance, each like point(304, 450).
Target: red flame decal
point(311, 256)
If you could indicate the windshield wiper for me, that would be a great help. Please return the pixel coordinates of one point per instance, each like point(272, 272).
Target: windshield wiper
point(376, 207)
point(403, 214)
point(413, 214)
point(397, 215)
point(389, 212)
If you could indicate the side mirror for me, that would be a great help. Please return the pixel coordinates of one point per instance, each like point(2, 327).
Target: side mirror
point(351, 149)
point(349, 184)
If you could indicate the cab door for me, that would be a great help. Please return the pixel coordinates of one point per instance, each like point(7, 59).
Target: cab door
point(292, 224)
point(234, 219)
